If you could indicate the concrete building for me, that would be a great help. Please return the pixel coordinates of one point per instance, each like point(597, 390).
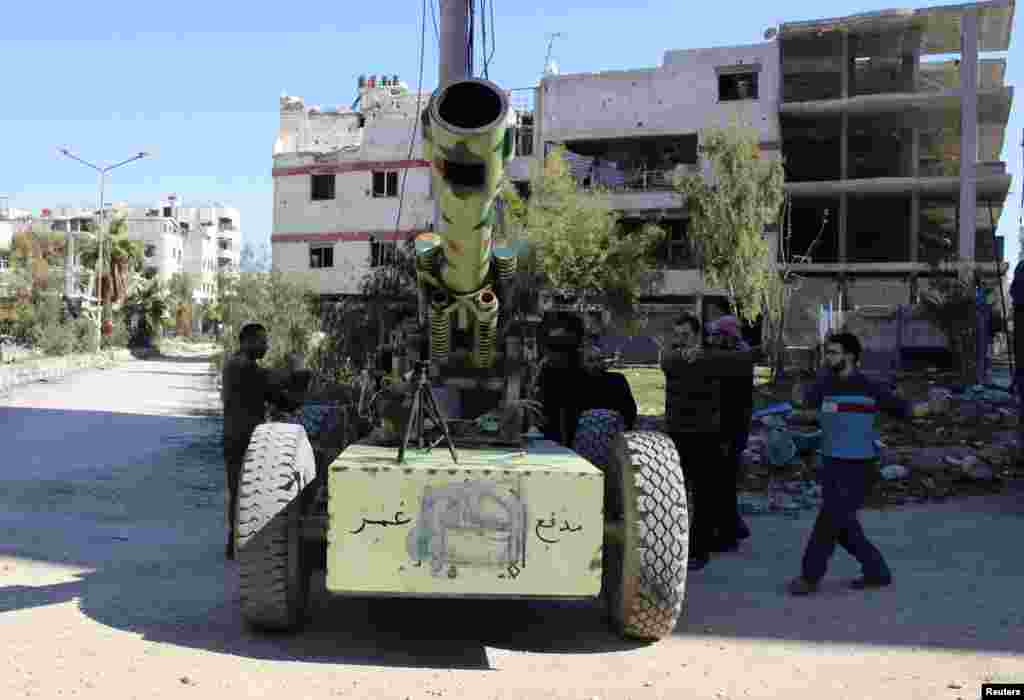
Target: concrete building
point(199, 240)
point(338, 181)
point(868, 124)
point(902, 150)
point(630, 130)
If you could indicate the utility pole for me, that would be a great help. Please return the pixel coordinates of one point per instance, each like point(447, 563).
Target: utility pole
point(453, 58)
point(453, 65)
point(69, 289)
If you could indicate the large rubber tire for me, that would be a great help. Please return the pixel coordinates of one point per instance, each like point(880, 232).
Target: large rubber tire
point(595, 431)
point(272, 493)
point(644, 579)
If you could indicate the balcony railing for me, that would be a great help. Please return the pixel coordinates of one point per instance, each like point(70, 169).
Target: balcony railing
point(637, 180)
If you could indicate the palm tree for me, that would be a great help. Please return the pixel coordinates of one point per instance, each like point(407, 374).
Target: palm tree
point(125, 259)
point(150, 302)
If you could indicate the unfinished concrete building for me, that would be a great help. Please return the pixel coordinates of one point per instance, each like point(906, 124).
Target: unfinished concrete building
point(901, 149)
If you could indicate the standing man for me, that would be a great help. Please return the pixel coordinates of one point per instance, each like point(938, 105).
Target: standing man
point(606, 389)
point(726, 335)
point(847, 404)
point(693, 421)
point(561, 380)
point(246, 388)
point(1017, 300)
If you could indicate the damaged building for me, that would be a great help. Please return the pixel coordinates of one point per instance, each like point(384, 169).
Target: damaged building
point(874, 130)
point(870, 114)
point(870, 125)
point(344, 176)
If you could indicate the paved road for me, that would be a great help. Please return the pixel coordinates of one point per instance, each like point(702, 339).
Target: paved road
point(113, 585)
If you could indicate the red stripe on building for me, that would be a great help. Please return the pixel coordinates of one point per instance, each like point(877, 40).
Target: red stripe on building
point(856, 408)
point(334, 236)
point(350, 167)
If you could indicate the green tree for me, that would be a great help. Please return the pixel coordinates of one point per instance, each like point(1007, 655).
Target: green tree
point(285, 304)
point(728, 214)
point(151, 304)
point(125, 261)
point(571, 241)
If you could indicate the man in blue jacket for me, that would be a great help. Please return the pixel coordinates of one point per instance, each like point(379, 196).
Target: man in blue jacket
point(847, 405)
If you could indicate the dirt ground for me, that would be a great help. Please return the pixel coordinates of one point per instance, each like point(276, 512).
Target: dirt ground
point(113, 585)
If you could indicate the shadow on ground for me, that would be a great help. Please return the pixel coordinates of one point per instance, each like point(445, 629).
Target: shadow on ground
point(193, 602)
point(138, 546)
point(957, 583)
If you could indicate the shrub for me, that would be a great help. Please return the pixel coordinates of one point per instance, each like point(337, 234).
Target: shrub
point(85, 335)
point(56, 339)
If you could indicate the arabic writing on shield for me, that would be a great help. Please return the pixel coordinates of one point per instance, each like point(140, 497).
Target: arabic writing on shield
point(399, 519)
point(546, 529)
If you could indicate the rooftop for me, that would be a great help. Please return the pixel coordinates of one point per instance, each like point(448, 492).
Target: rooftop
point(939, 27)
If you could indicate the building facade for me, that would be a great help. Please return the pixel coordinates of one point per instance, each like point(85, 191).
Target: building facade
point(349, 183)
point(901, 149)
point(199, 240)
point(870, 127)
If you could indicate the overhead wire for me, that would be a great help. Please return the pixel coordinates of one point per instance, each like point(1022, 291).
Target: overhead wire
point(412, 142)
point(490, 57)
point(433, 16)
point(483, 36)
point(470, 42)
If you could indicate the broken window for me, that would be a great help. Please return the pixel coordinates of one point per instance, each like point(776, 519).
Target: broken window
point(322, 188)
point(321, 256)
point(737, 86)
point(385, 183)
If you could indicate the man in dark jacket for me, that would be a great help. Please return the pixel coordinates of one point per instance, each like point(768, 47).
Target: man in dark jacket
point(693, 409)
point(606, 389)
point(246, 388)
point(1017, 298)
point(572, 381)
point(725, 335)
point(847, 404)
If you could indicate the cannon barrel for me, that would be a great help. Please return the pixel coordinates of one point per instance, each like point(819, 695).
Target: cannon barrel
point(467, 140)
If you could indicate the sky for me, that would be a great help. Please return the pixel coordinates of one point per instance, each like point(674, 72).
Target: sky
point(198, 84)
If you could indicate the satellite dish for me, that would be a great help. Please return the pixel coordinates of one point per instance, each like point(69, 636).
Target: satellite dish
point(770, 33)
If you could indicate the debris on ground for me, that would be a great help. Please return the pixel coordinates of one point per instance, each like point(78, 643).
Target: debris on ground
point(971, 449)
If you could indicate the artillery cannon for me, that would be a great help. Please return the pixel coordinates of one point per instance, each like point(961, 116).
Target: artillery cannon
point(498, 514)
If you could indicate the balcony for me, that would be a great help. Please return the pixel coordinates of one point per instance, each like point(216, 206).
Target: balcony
point(642, 190)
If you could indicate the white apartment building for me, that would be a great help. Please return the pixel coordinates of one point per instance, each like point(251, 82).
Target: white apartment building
point(200, 240)
point(338, 179)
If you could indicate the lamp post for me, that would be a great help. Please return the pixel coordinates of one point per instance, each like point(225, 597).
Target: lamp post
point(68, 275)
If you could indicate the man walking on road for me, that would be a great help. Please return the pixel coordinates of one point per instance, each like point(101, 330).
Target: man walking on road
point(847, 404)
point(245, 390)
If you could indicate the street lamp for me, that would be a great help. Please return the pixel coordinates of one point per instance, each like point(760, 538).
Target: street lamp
point(68, 275)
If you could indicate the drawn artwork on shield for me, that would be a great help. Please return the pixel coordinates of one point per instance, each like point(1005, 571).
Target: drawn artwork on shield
point(474, 524)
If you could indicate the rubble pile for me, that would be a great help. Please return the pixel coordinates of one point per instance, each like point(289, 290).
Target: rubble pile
point(969, 450)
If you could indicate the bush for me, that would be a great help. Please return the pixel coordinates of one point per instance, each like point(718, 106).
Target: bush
point(56, 339)
point(85, 335)
point(285, 305)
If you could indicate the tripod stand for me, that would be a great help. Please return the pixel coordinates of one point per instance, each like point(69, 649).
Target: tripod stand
point(423, 401)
